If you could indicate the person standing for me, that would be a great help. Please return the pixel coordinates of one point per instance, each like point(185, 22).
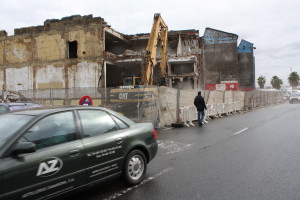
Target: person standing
point(200, 105)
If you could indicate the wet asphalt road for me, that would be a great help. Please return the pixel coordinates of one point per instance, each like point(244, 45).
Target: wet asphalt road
point(254, 155)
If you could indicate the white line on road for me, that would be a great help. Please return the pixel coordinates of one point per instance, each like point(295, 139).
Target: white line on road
point(120, 193)
point(240, 131)
point(167, 129)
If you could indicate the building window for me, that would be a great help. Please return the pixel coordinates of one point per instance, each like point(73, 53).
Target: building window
point(72, 49)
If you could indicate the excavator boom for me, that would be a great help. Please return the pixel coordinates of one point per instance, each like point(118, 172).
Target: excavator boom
point(159, 30)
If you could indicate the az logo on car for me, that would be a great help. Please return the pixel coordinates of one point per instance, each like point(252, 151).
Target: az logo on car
point(49, 167)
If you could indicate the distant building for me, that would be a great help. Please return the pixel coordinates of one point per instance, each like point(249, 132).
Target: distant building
point(225, 64)
point(220, 61)
point(246, 65)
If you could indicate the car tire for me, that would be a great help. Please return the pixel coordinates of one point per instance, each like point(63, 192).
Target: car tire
point(135, 167)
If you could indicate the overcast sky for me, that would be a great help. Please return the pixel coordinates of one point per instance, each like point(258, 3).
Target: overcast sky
point(271, 25)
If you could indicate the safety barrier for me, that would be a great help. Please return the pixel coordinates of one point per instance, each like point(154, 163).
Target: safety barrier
point(211, 110)
point(223, 103)
point(188, 114)
point(158, 105)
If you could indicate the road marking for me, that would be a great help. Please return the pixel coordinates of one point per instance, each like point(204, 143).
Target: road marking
point(167, 129)
point(118, 194)
point(240, 131)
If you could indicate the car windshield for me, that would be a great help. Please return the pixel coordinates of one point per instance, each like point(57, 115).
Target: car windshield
point(9, 124)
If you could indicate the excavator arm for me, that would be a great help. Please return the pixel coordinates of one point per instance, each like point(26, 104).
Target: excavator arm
point(159, 30)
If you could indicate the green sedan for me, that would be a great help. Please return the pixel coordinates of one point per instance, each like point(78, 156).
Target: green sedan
point(46, 152)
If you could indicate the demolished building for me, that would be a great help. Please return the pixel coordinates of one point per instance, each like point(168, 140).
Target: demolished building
point(184, 50)
point(84, 51)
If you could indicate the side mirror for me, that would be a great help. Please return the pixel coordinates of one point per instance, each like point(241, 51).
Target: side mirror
point(24, 147)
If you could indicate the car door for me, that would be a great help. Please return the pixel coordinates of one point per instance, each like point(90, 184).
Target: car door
point(55, 167)
point(104, 144)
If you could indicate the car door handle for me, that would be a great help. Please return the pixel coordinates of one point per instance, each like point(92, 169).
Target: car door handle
point(119, 140)
point(74, 152)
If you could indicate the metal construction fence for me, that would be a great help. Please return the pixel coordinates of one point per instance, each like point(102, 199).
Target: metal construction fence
point(53, 96)
point(159, 105)
point(139, 104)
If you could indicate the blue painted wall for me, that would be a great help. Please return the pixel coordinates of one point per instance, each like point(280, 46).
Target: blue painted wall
point(213, 36)
point(245, 47)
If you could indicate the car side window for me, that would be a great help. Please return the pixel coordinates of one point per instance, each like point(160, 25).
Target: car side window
point(120, 123)
point(52, 130)
point(2, 109)
point(95, 122)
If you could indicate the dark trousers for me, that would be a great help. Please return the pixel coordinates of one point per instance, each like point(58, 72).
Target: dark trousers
point(200, 117)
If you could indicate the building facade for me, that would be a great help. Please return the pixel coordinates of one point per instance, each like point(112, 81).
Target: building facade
point(246, 65)
point(60, 54)
point(83, 51)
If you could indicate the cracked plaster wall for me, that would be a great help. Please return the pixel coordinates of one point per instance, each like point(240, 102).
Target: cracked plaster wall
point(37, 57)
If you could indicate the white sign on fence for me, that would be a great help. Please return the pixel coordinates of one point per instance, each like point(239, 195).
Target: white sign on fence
point(221, 87)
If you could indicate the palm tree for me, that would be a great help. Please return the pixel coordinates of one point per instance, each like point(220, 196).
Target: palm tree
point(293, 80)
point(276, 82)
point(261, 81)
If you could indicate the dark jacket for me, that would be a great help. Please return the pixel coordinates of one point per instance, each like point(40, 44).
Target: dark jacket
point(200, 103)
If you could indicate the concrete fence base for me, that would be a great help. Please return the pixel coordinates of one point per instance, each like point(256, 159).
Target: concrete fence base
point(219, 103)
point(162, 106)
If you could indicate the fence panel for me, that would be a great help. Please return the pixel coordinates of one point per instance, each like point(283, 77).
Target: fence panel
point(141, 104)
point(138, 104)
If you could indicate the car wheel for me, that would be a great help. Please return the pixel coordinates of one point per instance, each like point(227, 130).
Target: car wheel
point(135, 167)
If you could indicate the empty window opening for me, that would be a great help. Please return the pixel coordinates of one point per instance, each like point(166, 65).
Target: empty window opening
point(72, 49)
point(185, 83)
point(182, 68)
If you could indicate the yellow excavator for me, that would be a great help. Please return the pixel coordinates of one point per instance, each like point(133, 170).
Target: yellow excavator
point(159, 33)
point(159, 30)
point(138, 89)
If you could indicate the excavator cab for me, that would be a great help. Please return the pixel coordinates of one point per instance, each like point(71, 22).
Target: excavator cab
point(131, 80)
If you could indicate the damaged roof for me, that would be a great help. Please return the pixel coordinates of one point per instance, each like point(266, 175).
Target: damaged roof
point(188, 33)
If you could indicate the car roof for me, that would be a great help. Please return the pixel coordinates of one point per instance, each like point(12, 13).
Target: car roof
point(51, 109)
point(18, 103)
point(41, 111)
